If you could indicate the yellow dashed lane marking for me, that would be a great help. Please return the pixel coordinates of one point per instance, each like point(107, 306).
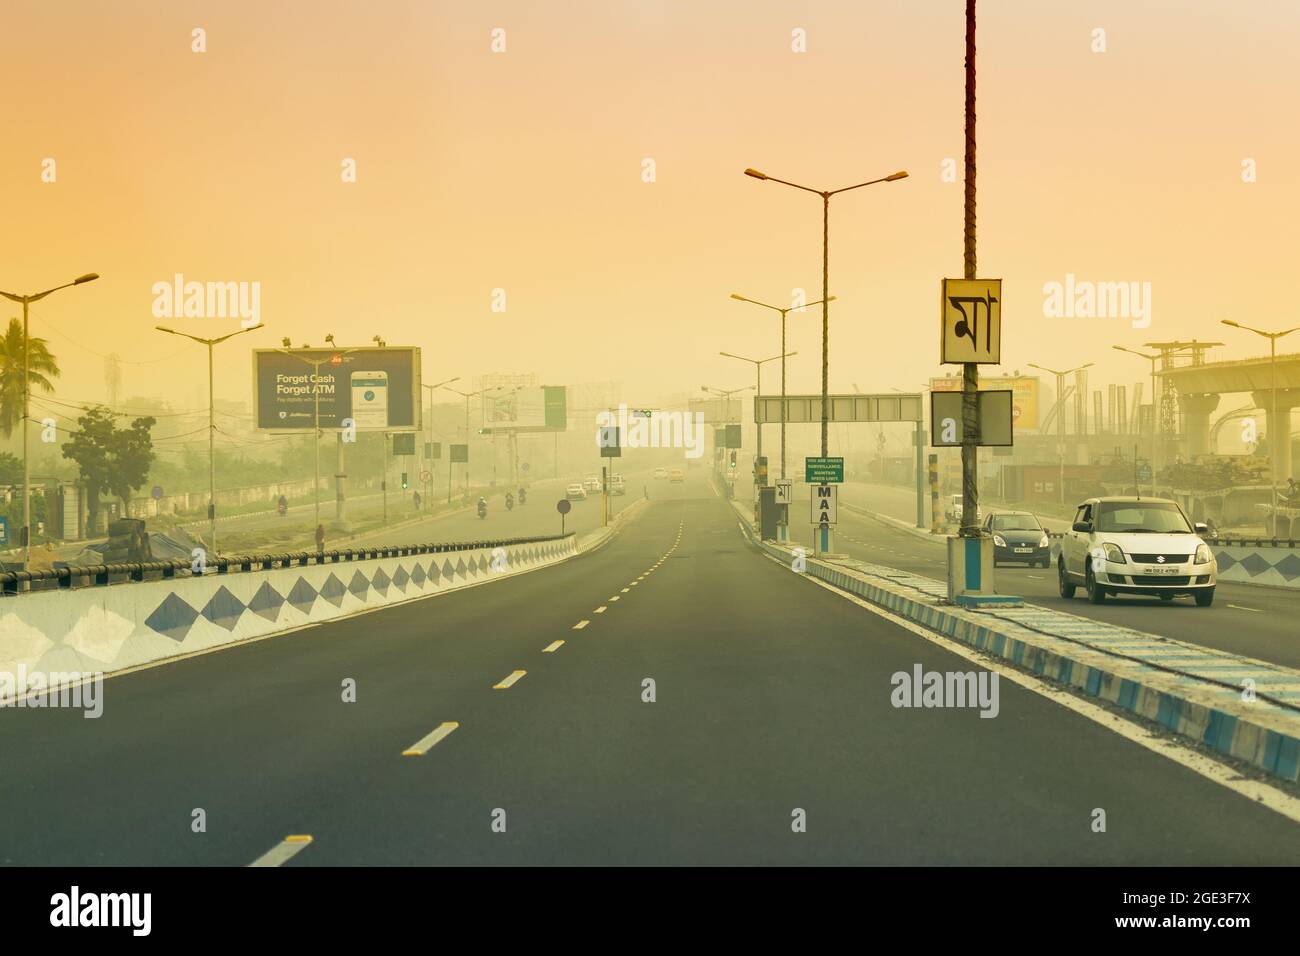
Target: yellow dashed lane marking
point(507, 682)
point(425, 744)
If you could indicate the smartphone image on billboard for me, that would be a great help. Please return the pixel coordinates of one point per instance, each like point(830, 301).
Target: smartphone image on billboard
point(370, 399)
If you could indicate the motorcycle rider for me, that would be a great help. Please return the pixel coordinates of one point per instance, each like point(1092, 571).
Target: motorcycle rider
point(523, 494)
point(510, 501)
point(482, 507)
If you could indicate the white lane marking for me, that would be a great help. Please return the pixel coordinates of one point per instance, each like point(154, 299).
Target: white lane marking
point(552, 647)
point(283, 851)
point(624, 590)
point(1222, 774)
point(1257, 610)
point(426, 743)
point(614, 598)
point(509, 681)
point(580, 625)
point(601, 609)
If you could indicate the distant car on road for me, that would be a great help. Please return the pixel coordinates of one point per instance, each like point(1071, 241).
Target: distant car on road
point(661, 472)
point(677, 475)
point(1019, 536)
point(617, 486)
point(575, 492)
point(1136, 546)
point(591, 483)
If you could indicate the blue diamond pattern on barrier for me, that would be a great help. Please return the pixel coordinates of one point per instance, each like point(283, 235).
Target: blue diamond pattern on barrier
point(460, 567)
point(303, 595)
point(359, 585)
point(1224, 560)
point(266, 602)
point(1288, 567)
point(400, 577)
point(435, 575)
point(333, 590)
point(224, 609)
point(380, 581)
point(447, 570)
point(172, 617)
point(1255, 565)
point(418, 576)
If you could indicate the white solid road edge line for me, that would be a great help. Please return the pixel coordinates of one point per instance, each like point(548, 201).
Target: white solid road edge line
point(1222, 774)
point(283, 852)
point(426, 743)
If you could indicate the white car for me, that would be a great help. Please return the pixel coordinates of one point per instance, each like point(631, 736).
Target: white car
point(591, 483)
point(1136, 546)
point(661, 472)
point(575, 492)
point(617, 486)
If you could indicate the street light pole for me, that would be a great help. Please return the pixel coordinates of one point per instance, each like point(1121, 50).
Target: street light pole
point(1154, 411)
point(758, 390)
point(1060, 417)
point(26, 301)
point(1274, 442)
point(212, 422)
point(826, 297)
point(784, 312)
point(428, 490)
point(467, 396)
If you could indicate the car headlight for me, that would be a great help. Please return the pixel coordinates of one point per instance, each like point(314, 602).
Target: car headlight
point(999, 541)
point(1114, 554)
point(1046, 542)
point(1203, 555)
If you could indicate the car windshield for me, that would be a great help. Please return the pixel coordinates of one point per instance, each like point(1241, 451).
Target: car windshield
point(1140, 517)
point(1016, 523)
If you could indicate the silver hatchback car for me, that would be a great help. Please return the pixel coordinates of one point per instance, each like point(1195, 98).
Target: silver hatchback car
point(1141, 546)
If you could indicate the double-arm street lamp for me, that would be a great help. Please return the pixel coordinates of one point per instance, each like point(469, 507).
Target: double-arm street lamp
point(428, 485)
point(826, 296)
point(784, 312)
point(27, 300)
point(758, 390)
point(1155, 411)
point(212, 423)
point(467, 396)
point(1060, 417)
point(1276, 443)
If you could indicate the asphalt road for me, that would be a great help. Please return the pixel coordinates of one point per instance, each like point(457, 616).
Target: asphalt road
point(1247, 619)
point(772, 695)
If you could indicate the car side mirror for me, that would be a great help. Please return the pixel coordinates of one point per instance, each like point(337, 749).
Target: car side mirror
point(1084, 526)
point(1201, 527)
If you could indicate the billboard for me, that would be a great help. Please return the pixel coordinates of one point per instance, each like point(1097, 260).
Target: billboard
point(375, 388)
point(531, 408)
point(1024, 394)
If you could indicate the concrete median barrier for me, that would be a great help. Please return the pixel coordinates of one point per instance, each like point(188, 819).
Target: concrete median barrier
point(1233, 705)
point(112, 628)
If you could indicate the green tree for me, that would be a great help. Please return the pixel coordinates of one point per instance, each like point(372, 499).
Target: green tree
point(11, 469)
point(41, 367)
point(112, 459)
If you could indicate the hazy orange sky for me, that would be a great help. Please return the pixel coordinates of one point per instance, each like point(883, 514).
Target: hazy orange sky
point(522, 170)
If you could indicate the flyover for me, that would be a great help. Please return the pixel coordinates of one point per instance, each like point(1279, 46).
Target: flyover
point(1199, 388)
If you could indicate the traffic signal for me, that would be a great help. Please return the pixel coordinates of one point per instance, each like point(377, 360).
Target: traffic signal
point(733, 458)
point(405, 484)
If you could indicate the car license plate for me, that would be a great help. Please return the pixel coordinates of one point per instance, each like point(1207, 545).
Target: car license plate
point(1161, 570)
point(1024, 550)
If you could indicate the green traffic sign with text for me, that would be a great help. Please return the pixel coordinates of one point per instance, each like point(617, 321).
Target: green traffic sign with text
point(823, 471)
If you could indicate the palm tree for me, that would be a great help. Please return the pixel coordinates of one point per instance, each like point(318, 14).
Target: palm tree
point(41, 366)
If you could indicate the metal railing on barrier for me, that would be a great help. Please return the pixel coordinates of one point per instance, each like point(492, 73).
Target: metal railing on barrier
point(101, 575)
